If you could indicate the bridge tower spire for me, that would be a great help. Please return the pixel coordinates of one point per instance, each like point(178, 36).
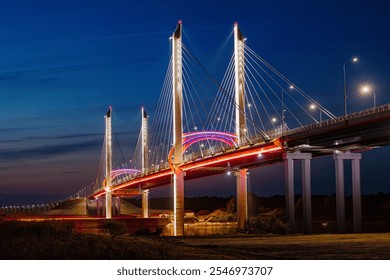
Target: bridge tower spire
point(108, 147)
point(240, 127)
point(177, 93)
point(239, 74)
point(145, 153)
point(144, 140)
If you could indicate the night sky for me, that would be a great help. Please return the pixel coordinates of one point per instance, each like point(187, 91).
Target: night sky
point(62, 63)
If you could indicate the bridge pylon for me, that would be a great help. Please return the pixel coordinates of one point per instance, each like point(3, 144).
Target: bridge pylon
point(144, 140)
point(144, 155)
point(108, 149)
point(240, 125)
point(177, 94)
point(239, 80)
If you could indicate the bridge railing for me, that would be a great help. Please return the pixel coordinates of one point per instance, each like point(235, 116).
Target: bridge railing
point(352, 116)
point(31, 208)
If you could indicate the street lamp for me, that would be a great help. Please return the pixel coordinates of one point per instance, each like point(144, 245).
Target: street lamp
point(355, 59)
point(291, 87)
point(313, 107)
point(366, 89)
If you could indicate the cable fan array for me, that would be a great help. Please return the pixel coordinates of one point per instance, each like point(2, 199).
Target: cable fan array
point(122, 170)
point(273, 105)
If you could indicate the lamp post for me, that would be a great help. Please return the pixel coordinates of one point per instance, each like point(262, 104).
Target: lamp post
point(313, 107)
point(355, 59)
point(291, 87)
point(283, 110)
point(366, 89)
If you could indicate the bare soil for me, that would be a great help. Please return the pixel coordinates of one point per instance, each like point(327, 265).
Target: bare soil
point(303, 247)
point(58, 240)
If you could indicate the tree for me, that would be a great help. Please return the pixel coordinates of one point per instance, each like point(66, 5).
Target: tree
point(231, 205)
point(114, 228)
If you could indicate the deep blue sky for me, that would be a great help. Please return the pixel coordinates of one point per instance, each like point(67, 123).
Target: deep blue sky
point(62, 63)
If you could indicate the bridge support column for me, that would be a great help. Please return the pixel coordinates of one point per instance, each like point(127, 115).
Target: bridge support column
point(340, 196)
point(306, 190)
point(178, 190)
point(306, 195)
point(145, 203)
point(108, 204)
point(289, 190)
point(339, 158)
point(242, 197)
point(356, 195)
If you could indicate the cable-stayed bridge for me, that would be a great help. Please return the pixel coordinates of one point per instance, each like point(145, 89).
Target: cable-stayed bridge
point(254, 117)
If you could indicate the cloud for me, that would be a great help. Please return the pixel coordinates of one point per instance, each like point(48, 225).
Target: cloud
point(9, 141)
point(30, 73)
point(67, 136)
point(49, 151)
point(8, 130)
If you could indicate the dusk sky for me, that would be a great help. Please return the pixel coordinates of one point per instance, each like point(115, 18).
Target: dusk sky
point(62, 63)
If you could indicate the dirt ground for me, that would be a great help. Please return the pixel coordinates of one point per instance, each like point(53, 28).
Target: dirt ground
point(58, 240)
point(303, 247)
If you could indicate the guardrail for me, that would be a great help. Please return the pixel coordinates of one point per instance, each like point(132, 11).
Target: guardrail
point(338, 120)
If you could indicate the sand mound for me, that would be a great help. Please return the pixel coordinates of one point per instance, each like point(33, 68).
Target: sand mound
point(70, 207)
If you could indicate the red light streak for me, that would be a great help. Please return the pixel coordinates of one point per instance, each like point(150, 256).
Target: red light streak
point(230, 157)
point(237, 154)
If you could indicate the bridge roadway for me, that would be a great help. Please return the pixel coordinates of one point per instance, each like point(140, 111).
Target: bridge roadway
point(355, 132)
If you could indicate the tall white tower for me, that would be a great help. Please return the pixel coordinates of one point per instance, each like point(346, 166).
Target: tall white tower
point(240, 126)
point(178, 177)
point(107, 187)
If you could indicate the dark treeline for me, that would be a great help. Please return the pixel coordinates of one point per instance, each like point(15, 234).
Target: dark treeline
point(323, 206)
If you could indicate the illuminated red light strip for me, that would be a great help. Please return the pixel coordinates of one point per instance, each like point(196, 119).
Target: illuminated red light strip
point(190, 166)
point(139, 180)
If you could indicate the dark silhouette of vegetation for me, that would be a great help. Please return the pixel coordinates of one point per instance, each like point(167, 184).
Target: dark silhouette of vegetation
point(231, 205)
point(258, 225)
point(143, 231)
point(114, 228)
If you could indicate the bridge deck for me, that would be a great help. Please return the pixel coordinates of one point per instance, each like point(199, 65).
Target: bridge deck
point(358, 131)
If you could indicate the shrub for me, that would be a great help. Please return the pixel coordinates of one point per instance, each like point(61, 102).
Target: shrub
point(272, 225)
point(114, 228)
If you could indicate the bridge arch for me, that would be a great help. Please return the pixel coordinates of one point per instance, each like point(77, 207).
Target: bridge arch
point(191, 138)
point(122, 171)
